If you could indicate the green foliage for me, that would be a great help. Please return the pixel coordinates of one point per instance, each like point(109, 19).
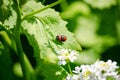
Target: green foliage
point(76, 8)
point(11, 21)
point(5, 9)
point(101, 4)
point(43, 29)
point(110, 78)
point(5, 63)
point(94, 24)
point(50, 71)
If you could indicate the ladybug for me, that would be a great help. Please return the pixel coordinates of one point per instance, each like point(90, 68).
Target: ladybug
point(61, 38)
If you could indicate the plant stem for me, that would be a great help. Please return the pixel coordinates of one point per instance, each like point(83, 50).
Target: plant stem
point(70, 71)
point(20, 53)
point(26, 67)
point(63, 5)
point(40, 10)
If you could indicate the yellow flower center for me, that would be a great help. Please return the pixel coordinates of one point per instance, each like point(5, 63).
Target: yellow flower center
point(105, 65)
point(86, 74)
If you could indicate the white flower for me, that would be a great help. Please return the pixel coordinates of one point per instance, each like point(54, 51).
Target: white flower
point(62, 62)
point(65, 55)
point(76, 77)
point(105, 69)
point(87, 72)
point(100, 70)
point(72, 56)
point(63, 51)
point(69, 77)
point(77, 69)
point(72, 77)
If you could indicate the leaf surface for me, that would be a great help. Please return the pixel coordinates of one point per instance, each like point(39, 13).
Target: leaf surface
point(42, 29)
point(50, 71)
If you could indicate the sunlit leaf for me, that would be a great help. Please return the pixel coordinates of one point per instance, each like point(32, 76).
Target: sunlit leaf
point(11, 21)
point(42, 30)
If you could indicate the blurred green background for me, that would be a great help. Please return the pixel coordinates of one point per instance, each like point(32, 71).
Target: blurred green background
point(95, 24)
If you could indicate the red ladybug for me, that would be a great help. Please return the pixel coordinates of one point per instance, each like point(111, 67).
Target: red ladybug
point(61, 38)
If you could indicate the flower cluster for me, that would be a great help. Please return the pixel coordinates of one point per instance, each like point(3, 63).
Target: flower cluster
point(65, 55)
point(100, 70)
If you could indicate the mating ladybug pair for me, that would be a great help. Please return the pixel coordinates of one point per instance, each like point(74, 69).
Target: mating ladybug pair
point(61, 38)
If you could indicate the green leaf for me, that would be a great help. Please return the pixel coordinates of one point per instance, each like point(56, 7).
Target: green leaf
point(101, 4)
point(11, 21)
point(6, 2)
point(49, 71)
point(8, 15)
point(74, 9)
point(5, 65)
point(42, 29)
point(4, 9)
point(35, 34)
point(110, 78)
point(1, 45)
point(86, 32)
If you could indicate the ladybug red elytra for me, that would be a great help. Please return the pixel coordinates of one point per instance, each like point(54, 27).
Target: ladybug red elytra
point(61, 38)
